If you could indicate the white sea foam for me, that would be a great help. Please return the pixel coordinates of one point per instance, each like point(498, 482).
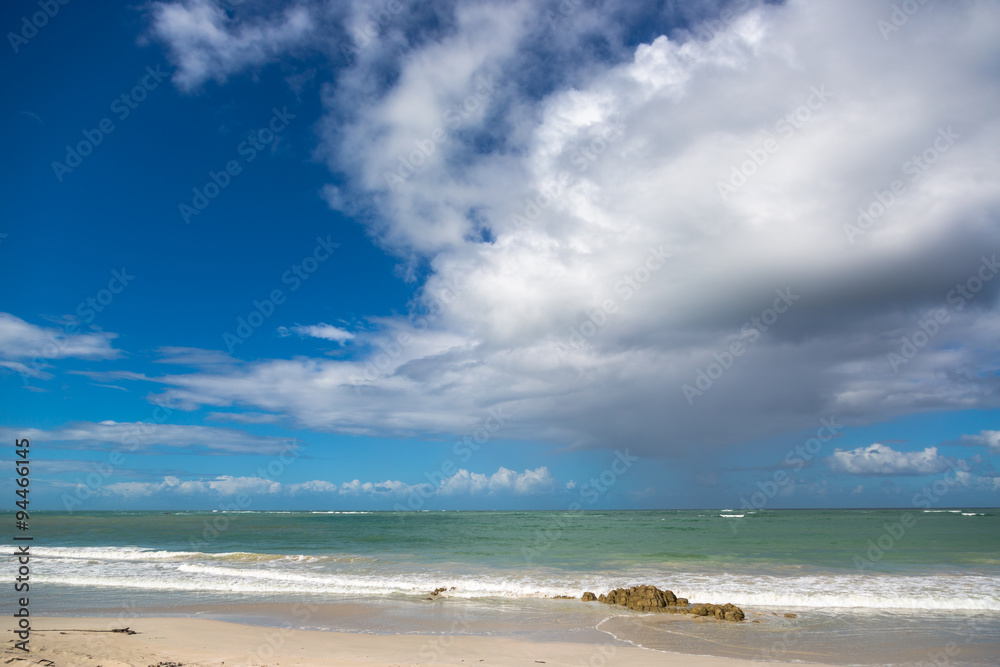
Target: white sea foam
point(781, 593)
point(139, 554)
point(111, 553)
point(352, 574)
point(973, 592)
point(209, 579)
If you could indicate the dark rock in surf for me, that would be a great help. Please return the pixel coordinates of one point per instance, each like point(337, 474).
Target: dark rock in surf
point(651, 599)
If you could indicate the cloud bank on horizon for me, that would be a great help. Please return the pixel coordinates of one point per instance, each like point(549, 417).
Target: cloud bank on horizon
point(673, 228)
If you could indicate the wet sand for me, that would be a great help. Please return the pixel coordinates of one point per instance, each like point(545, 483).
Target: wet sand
point(194, 642)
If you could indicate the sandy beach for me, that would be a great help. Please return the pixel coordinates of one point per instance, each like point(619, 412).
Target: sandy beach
point(172, 642)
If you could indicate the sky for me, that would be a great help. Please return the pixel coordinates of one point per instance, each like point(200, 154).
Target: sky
point(501, 255)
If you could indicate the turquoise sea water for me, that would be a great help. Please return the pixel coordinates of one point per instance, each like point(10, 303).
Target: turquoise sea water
point(853, 572)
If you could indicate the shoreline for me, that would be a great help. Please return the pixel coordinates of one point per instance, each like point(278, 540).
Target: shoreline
point(451, 584)
point(198, 642)
point(367, 633)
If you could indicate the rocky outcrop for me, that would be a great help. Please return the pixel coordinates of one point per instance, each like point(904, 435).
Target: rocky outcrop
point(724, 612)
point(641, 598)
point(438, 591)
point(652, 599)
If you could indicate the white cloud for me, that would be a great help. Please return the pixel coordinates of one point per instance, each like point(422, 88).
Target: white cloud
point(138, 489)
point(20, 340)
point(879, 459)
point(244, 417)
point(504, 480)
point(977, 482)
point(133, 436)
point(206, 43)
point(26, 370)
point(231, 486)
point(984, 438)
point(389, 487)
point(224, 485)
point(315, 486)
point(462, 483)
point(635, 149)
point(321, 330)
point(193, 356)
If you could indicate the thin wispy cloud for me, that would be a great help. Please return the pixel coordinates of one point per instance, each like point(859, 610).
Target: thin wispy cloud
point(135, 436)
point(20, 340)
point(323, 331)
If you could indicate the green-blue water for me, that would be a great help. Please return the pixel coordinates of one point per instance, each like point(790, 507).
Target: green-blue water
point(926, 567)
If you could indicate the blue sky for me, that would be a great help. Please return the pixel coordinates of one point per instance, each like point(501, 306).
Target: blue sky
point(501, 255)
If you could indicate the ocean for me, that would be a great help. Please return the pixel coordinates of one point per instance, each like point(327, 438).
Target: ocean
point(865, 586)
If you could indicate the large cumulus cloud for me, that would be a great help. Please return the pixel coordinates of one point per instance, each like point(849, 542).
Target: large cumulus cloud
point(526, 185)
